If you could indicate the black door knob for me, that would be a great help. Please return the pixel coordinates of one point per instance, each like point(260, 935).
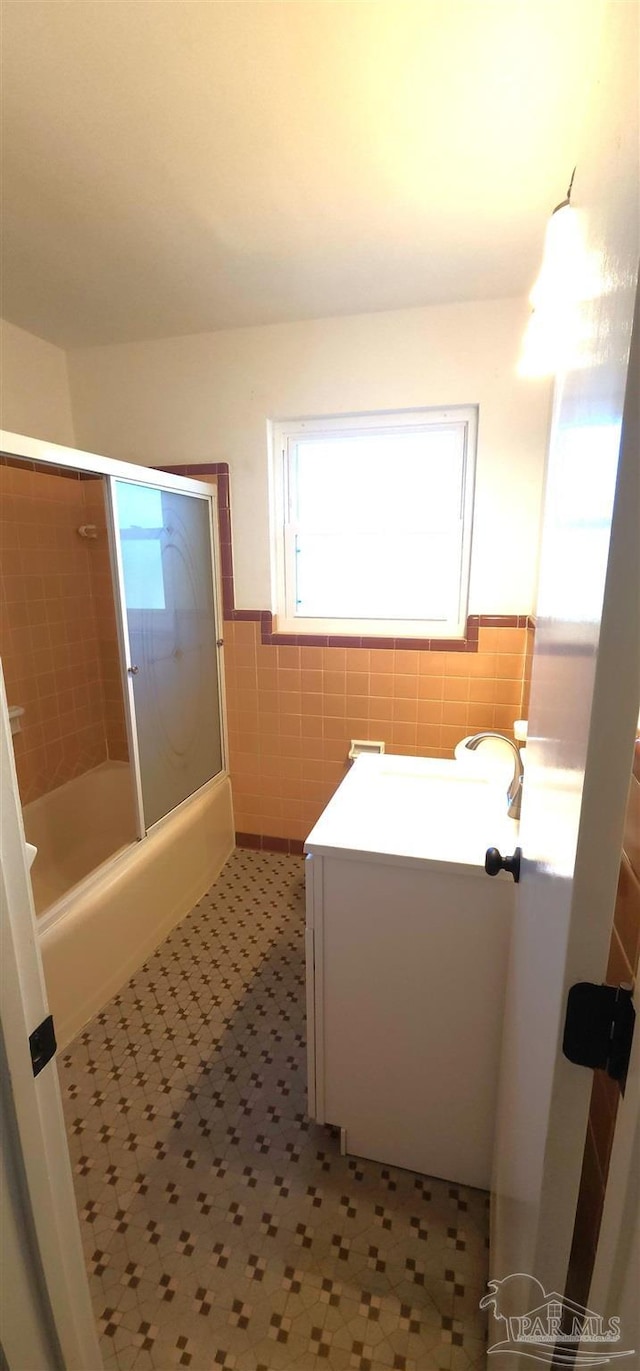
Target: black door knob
point(495, 862)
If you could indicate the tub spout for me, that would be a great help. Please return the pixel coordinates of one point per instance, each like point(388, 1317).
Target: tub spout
point(514, 793)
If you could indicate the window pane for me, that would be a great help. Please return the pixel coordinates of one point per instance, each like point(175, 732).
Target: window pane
point(358, 576)
point(377, 520)
point(374, 481)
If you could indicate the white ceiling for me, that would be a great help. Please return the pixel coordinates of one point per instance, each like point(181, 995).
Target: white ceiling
point(185, 166)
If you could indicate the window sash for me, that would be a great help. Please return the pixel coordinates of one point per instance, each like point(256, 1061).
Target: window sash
point(453, 530)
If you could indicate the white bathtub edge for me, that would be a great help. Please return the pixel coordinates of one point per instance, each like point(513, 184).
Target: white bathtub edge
point(91, 952)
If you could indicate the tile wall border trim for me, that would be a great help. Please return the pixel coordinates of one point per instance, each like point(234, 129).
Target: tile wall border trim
point(26, 464)
point(262, 842)
point(264, 617)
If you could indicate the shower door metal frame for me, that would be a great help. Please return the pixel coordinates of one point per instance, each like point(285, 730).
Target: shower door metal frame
point(44, 454)
point(201, 492)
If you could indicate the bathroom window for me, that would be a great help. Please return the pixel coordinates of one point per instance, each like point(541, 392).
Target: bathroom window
point(372, 523)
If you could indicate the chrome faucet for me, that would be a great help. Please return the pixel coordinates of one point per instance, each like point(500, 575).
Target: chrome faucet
point(514, 793)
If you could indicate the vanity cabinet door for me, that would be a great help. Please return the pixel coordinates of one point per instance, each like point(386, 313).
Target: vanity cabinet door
point(410, 996)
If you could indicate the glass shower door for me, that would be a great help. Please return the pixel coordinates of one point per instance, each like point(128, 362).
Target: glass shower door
point(164, 554)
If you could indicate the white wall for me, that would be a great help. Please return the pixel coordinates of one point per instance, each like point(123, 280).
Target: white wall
point(207, 397)
point(34, 395)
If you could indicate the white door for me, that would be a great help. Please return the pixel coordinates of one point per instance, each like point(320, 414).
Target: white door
point(584, 697)
point(47, 1318)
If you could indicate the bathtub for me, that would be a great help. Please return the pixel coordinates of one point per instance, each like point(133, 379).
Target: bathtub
point(77, 827)
point(94, 937)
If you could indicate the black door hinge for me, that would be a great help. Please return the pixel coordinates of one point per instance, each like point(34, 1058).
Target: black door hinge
point(42, 1044)
point(598, 1028)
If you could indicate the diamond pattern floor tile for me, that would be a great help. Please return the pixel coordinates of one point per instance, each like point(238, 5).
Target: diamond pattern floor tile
point(222, 1228)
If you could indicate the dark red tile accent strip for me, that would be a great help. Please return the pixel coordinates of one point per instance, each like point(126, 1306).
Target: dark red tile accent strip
point(264, 617)
point(259, 842)
point(467, 644)
point(46, 468)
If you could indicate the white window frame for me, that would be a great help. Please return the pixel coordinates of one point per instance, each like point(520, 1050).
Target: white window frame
point(283, 435)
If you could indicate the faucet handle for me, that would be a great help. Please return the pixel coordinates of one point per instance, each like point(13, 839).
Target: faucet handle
point(495, 862)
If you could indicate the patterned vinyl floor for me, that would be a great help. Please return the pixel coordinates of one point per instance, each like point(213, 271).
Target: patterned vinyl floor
point(221, 1227)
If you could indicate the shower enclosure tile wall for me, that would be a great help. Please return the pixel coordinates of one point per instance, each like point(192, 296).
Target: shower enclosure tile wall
point(58, 638)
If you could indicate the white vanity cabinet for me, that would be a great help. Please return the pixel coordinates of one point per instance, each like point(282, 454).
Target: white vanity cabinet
point(406, 966)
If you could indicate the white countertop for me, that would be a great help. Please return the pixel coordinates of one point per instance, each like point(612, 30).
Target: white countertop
point(415, 810)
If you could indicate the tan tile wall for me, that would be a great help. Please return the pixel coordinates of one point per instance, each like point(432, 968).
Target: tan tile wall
point(622, 967)
point(293, 710)
point(49, 616)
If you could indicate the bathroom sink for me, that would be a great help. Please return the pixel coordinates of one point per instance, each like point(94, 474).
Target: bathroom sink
point(416, 808)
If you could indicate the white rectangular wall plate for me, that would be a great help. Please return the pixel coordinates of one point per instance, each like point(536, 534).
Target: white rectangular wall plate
point(364, 745)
